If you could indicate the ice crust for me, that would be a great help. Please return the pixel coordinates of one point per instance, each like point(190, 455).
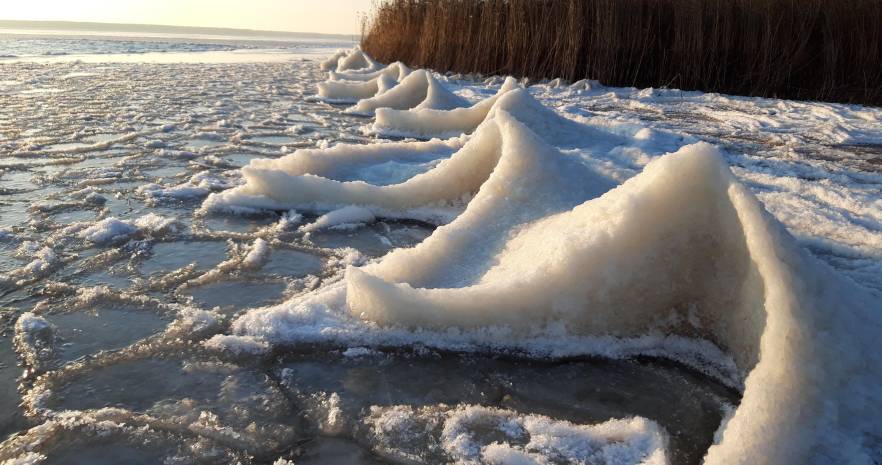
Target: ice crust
point(472, 434)
point(113, 229)
point(547, 248)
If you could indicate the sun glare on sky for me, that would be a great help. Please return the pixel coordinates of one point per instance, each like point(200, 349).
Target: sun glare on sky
point(327, 16)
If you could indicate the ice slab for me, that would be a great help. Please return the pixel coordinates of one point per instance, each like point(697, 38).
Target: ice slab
point(105, 327)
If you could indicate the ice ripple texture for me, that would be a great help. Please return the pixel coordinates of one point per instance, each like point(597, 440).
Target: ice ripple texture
point(210, 264)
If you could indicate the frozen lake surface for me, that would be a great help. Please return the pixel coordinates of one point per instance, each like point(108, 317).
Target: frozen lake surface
point(104, 241)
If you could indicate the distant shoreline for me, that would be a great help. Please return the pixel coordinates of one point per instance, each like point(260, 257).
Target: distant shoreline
point(75, 26)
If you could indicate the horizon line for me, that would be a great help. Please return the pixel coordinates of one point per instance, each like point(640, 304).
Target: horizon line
point(171, 27)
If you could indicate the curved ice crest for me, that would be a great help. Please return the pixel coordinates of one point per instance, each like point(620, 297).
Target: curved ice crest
point(434, 195)
point(353, 91)
point(680, 250)
point(418, 90)
point(357, 61)
point(428, 123)
point(397, 71)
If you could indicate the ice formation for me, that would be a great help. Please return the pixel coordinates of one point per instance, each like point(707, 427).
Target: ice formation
point(544, 247)
point(680, 249)
point(113, 229)
point(357, 61)
point(428, 123)
point(566, 233)
point(472, 434)
point(353, 91)
point(397, 71)
point(346, 161)
point(342, 218)
point(307, 175)
point(331, 63)
point(418, 90)
point(500, 142)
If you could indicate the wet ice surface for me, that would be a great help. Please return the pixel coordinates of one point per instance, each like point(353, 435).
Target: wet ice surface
point(27, 46)
point(85, 163)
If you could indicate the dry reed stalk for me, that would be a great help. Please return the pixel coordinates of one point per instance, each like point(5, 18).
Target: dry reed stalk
point(803, 49)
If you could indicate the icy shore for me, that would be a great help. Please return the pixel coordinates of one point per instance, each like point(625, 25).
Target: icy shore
point(219, 264)
point(546, 247)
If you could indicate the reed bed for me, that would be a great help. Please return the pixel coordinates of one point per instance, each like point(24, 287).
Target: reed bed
point(802, 49)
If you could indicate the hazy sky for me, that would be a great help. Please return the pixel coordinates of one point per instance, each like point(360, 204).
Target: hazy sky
point(331, 16)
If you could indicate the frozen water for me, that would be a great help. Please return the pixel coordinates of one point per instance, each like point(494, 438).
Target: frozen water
point(21, 46)
point(585, 392)
point(106, 453)
point(87, 332)
point(170, 256)
point(284, 262)
point(11, 418)
point(105, 207)
point(232, 296)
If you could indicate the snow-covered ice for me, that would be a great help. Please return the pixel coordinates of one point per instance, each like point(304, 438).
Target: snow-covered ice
point(507, 281)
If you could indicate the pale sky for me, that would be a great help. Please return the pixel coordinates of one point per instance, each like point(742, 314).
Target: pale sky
point(329, 16)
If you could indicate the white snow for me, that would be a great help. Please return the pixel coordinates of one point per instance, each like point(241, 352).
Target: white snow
point(157, 224)
point(236, 346)
point(257, 255)
point(108, 230)
point(41, 261)
point(28, 458)
point(472, 435)
point(352, 87)
point(449, 184)
point(307, 178)
point(113, 229)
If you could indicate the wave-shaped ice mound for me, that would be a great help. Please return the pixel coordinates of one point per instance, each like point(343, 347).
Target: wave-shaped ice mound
point(357, 61)
point(428, 123)
point(276, 183)
point(331, 63)
point(434, 195)
point(397, 71)
point(679, 249)
point(418, 90)
point(353, 86)
point(554, 128)
point(346, 162)
point(353, 91)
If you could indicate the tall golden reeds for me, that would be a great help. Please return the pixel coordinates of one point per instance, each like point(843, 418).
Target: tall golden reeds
point(804, 49)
